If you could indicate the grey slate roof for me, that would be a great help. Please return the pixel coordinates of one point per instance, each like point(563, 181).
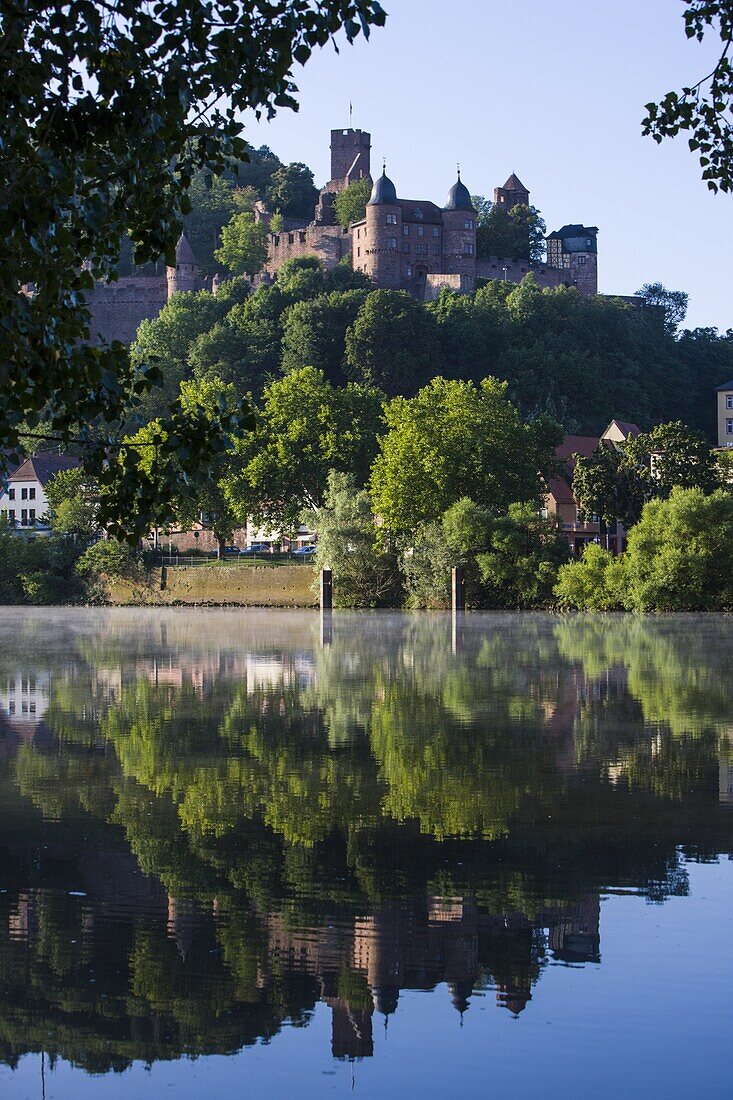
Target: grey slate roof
point(43, 466)
point(383, 192)
point(459, 197)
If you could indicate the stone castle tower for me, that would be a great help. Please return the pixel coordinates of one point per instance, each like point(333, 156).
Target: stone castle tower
point(459, 232)
point(184, 276)
point(350, 157)
point(513, 193)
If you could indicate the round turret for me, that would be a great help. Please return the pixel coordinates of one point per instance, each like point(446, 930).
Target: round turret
point(185, 275)
point(459, 232)
point(377, 242)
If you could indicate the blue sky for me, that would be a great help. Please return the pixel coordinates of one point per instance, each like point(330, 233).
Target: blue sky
point(552, 91)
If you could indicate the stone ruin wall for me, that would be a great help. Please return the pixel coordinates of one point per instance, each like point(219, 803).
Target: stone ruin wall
point(330, 243)
point(493, 268)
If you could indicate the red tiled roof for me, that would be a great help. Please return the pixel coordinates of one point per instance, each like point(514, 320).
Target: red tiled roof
point(43, 466)
point(560, 490)
point(577, 444)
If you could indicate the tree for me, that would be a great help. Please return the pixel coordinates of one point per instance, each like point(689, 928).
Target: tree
point(350, 204)
point(453, 440)
point(680, 554)
point(671, 305)
point(703, 109)
point(73, 506)
point(314, 333)
point(291, 191)
point(615, 483)
point(108, 110)
point(391, 344)
point(305, 429)
point(244, 248)
point(520, 565)
point(518, 234)
point(597, 582)
point(166, 340)
point(364, 574)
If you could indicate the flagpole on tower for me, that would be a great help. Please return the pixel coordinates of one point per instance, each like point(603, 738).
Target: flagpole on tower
point(350, 113)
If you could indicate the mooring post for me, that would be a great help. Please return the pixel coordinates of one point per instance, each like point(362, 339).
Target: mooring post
point(458, 588)
point(326, 589)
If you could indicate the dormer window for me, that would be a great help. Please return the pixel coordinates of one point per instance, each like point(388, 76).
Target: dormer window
point(417, 214)
point(729, 401)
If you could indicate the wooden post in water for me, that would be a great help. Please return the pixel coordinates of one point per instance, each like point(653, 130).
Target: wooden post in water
point(458, 588)
point(326, 590)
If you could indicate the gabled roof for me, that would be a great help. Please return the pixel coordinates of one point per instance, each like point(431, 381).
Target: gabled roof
point(514, 184)
point(727, 386)
point(43, 466)
point(626, 427)
point(577, 445)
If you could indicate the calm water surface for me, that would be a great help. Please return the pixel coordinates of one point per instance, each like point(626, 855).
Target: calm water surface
point(263, 854)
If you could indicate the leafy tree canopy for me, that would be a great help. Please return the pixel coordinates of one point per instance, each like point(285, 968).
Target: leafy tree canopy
point(704, 109)
point(670, 304)
point(243, 248)
point(350, 204)
point(453, 440)
point(291, 191)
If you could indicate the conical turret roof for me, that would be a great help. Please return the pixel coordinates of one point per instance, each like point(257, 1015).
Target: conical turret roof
point(184, 253)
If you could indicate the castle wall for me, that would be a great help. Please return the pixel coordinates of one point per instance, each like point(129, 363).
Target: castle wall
point(330, 243)
point(117, 309)
point(494, 267)
point(459, 284)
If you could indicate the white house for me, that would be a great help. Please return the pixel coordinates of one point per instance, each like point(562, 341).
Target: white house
point(23, 501)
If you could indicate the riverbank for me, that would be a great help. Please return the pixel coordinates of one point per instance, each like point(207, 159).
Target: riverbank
point(254, 586)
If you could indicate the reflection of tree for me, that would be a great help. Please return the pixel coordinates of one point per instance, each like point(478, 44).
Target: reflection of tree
point(458, 792)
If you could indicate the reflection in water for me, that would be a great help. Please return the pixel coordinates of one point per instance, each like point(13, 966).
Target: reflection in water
point(211, 822)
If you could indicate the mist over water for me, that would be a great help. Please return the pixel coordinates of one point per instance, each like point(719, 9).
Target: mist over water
point(406, 855)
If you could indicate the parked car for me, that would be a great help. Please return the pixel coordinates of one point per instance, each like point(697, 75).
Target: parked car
point(256, 548)
point(304, 551)
point(231, 549)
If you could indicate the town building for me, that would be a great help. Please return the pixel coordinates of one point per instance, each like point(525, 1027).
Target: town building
point(560, 502)
point(23, 501)
point(725, 414)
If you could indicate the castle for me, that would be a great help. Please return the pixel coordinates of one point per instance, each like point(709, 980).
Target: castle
point(415, 245)
point(401, 244)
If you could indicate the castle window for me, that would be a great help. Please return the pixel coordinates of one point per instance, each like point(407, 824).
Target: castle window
point(392, 242)
point(436, 231)
point(582, 259)
point(421, 230)
point(468, 224)
point(728, 405)
point(406, 246)
point(729, 426)
point(405, 231)
point(467, 248)
point(409, 272)
point(358, 252)
point(302, 238)
point(421, 249)
point(391, 219)
point(358, 234)
point(11, 494)
point(417, 214)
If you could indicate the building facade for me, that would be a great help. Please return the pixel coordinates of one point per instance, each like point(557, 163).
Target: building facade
point(725, 415)
point(23, 500)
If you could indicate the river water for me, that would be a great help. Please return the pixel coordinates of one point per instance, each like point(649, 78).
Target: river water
point(275, 854)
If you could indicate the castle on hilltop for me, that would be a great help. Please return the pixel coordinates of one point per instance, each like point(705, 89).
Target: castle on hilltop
point(415, 245)
point(401, 244)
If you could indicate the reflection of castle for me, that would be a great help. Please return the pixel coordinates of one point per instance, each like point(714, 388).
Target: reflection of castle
point(449, 940)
